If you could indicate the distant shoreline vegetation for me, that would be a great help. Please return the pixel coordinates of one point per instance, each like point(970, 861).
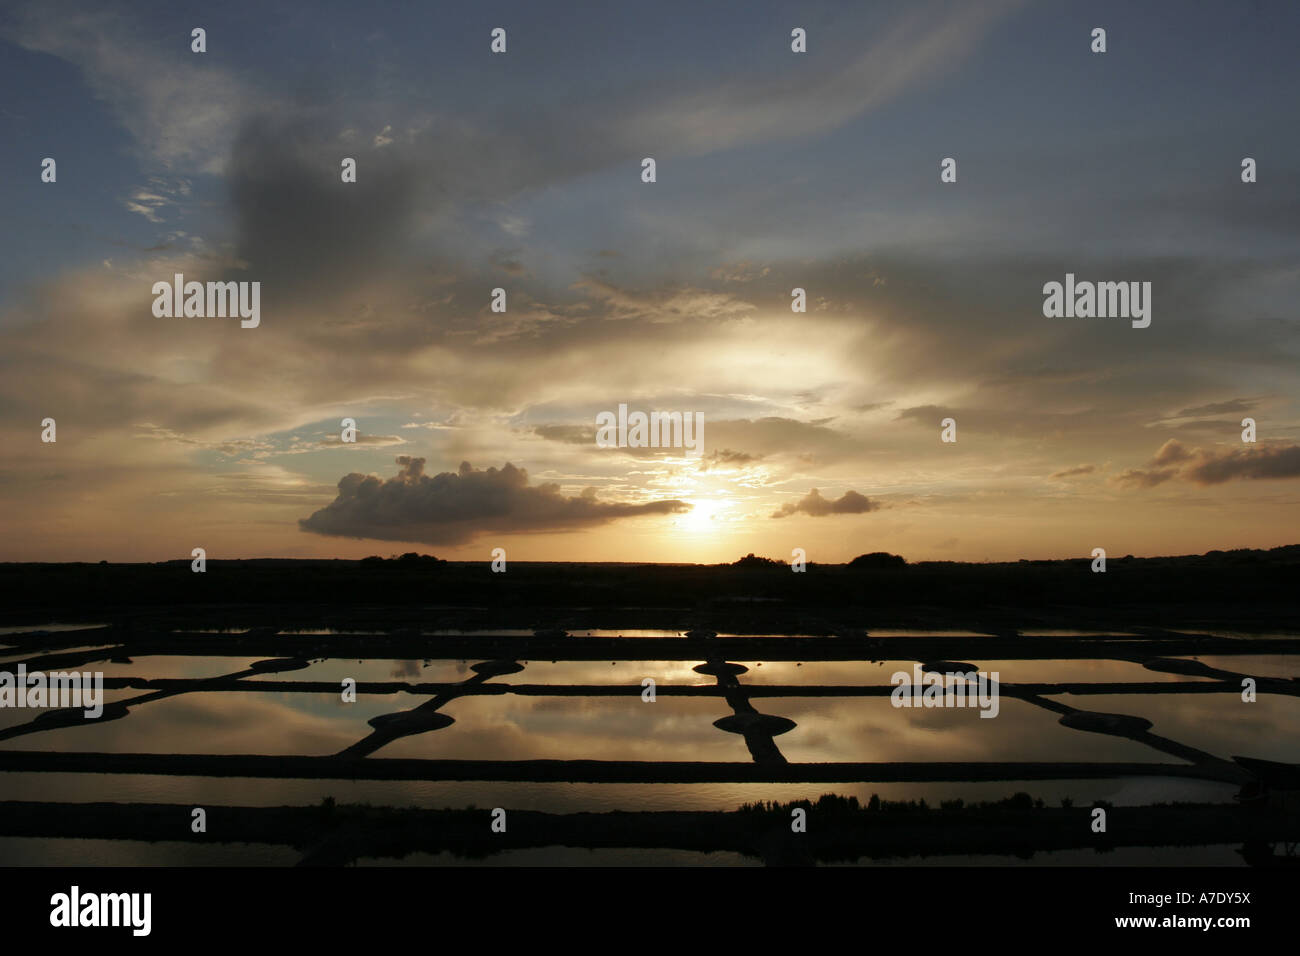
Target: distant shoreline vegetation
point(409, 559)
point(876, 559)
point(1240, 590)
point(1286, 553)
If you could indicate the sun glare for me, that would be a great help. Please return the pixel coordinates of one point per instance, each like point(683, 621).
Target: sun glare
point(703, 517)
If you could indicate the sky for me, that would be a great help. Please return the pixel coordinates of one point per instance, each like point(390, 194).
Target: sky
point(775, 170)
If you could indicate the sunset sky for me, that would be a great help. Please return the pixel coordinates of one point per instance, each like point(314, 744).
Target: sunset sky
point(522, 171)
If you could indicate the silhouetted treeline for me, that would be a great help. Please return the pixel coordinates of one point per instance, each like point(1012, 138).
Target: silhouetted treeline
point(1242, 586)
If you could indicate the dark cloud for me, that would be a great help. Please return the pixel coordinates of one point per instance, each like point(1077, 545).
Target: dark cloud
point(1215, 427)
point(775, 436)
point(1214, 466)
point(1227, 207)
point(1262, 461)
point(1020, 421)
point(925, 413)
point(568, 434)
point(1138, 478)
point(1219, 408)
point(1051, 375)
point(586, 435)
point(727, 458)
point(298, 225)
point(508, 264)
point(1074, 472)
point(336, 441)
point(454, 507)
point(818, 507)
point(1171, 452)
point(765, 437)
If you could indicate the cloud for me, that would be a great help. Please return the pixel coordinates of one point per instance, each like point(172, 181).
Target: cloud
point(512, 267)
point(162, 194)
point(1138, 478)
point(726, 458)
point(297, 226)
point(1219, 408)
point(774, 436)
point(179, 107)
point(911, 50)
point(251, 447)
point(1171, 452)
point(455, 507)
point(739, 272)
point(336, 441)
point(1260, 462)
point(765, 438)
point(146, 205)
point(677, 304)
point(1074, 472)
point(568, 434)
point(1215, 466)
point(818, 507)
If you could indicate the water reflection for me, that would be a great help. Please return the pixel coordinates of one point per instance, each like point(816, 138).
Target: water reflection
point(735, 725)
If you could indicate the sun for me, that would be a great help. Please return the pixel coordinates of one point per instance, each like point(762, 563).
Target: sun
point(703, 517)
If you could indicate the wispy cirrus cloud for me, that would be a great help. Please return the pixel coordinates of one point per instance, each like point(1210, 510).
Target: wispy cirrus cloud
point(180, 108)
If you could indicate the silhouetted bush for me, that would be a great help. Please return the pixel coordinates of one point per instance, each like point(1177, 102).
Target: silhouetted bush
point(878, 559)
